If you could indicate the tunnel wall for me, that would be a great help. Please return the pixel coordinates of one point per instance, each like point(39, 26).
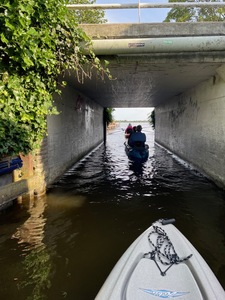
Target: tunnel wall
point(73, 133)
point(192, 126)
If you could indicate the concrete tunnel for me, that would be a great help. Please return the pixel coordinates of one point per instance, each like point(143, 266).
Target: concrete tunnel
point(178, 68)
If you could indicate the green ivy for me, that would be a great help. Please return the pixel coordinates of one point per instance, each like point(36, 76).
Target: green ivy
point(39, 40)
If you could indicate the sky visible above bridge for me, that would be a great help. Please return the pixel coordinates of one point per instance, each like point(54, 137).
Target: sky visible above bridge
point(147, 15)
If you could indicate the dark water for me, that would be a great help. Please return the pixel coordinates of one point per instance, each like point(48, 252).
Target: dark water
point(64, 245)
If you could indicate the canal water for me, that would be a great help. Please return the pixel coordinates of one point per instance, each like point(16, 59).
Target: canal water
point(64, 245)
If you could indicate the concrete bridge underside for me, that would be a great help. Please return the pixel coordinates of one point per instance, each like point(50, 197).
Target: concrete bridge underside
point(178, 68)
point(184, 83)
point(143, 78)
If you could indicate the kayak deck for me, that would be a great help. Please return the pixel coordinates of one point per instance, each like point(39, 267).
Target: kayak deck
point(161, 264)
point(147, 283)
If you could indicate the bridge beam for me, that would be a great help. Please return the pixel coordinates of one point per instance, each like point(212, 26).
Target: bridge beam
point(150, 30)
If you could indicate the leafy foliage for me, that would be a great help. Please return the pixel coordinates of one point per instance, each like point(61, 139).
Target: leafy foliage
point(109, 115)
point(38, 41)
point(192, 14)
point(88, 16)
point(151, 118)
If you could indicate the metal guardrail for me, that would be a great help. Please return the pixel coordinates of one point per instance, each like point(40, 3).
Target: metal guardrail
point(146, 5)
point(140, 5)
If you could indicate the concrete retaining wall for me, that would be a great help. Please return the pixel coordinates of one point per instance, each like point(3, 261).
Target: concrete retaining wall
point(192, 125)
point(73, 133)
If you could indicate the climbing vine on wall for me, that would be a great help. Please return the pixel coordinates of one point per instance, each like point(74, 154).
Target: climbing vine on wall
point(38, 41)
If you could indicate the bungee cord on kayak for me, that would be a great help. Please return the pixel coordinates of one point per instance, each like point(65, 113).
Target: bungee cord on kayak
point(164, 250)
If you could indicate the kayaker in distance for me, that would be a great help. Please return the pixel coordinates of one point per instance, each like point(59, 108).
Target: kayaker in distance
point(128, 130)
point(138, 138)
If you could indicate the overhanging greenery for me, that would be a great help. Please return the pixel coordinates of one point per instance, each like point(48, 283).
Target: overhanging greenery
point(195, 14)
point(38, 41)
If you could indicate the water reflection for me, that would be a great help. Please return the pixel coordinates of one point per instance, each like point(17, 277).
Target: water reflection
point(36, 265)
point(31, 233)
point(65, 244)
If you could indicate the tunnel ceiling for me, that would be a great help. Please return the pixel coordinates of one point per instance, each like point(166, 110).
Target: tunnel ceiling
point(148, 81)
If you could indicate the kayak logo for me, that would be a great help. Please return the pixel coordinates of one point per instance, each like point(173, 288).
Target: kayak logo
point(164, 294)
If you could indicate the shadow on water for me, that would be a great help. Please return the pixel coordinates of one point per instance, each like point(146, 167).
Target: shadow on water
point(65, 244)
